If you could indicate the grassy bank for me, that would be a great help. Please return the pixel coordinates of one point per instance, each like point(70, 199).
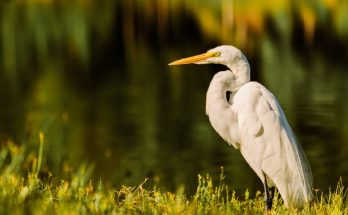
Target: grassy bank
point(24, 191)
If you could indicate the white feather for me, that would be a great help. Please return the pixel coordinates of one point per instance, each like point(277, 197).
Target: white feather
point(254, 122)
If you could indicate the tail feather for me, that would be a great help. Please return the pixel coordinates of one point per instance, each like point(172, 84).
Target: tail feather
point(298, 185)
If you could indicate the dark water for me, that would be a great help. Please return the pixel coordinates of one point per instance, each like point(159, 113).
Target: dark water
point(94, 78)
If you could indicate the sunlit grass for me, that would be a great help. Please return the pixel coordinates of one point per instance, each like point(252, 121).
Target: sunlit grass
point(25, 192)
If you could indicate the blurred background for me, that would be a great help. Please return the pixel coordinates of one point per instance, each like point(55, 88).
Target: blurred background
point(93, 77)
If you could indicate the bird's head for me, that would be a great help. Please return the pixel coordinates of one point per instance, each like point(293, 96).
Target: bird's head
point(225, 55)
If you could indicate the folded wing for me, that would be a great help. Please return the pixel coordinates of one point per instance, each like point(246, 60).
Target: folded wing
point(269, 145)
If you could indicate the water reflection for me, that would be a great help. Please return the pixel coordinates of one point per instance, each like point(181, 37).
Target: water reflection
point(94, 78)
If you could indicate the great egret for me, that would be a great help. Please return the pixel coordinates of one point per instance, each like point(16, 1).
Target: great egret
point(249, 117)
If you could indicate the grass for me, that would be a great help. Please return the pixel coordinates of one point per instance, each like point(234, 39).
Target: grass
point(23, 191)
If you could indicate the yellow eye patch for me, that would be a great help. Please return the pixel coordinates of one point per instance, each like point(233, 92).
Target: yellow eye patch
point(216, 54)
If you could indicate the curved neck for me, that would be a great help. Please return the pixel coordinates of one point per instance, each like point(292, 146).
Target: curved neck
point(229, 80)
point(216, 94)
point(241, 71)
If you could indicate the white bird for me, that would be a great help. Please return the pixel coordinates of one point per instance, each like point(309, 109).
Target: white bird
point(247, 115)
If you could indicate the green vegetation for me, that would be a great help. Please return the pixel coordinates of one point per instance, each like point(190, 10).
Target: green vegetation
point(76, 69)
point(25, 190)
point(93, 76)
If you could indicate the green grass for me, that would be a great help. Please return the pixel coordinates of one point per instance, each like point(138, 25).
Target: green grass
point(23, 191)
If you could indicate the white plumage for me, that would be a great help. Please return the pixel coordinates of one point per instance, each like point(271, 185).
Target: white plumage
point(251, 120)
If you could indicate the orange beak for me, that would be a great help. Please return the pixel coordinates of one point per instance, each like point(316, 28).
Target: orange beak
point(193, 59)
